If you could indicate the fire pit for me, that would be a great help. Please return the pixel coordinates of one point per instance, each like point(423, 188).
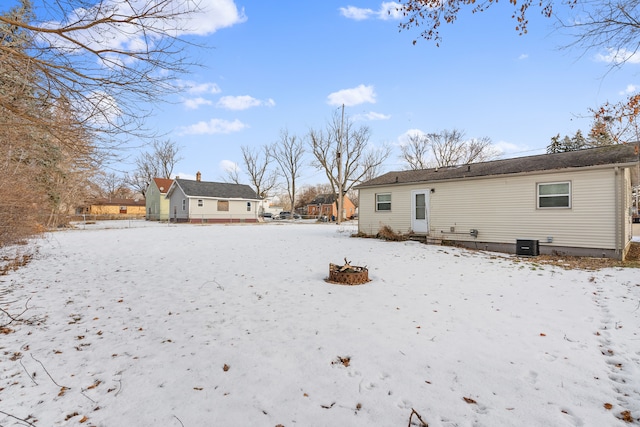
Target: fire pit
point(348, 274)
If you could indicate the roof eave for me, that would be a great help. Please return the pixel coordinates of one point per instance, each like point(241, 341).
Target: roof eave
point(468, 178)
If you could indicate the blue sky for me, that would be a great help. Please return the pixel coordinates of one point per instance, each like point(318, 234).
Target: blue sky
point(290, 65)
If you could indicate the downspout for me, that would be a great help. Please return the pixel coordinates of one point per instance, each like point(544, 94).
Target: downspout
point(618, 210)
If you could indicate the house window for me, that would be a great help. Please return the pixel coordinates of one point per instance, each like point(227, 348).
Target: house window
point(223, 205)
point(248, 206)
point(200, 203)
point(383, 202)
point(184, 204)
point(554, 195)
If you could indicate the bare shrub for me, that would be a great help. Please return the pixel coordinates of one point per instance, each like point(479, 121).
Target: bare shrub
point(387, 233)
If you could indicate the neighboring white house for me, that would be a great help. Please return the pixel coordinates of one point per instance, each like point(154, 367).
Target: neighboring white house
point(574, 203)
point(212, 202)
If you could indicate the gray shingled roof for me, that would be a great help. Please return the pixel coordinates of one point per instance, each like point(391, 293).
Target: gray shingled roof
point(324, 199)
point(222, 190)
point(620, 154)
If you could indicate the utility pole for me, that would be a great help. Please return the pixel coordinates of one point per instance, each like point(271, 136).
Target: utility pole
point(339, 159)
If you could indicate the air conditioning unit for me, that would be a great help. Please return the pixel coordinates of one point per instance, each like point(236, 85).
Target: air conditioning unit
point(527, 247)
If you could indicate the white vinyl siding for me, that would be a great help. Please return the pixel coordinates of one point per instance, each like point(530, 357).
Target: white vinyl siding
point(504, 209)
point(208, 212)
point(223, 209)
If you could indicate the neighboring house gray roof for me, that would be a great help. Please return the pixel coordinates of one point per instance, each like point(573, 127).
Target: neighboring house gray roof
point(221, 190)
point(324, 199)
point(619, 154)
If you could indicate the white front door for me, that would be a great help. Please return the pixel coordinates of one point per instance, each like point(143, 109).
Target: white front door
point(419, 211)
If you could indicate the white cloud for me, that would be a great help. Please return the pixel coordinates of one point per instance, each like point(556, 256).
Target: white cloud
point(356, 13)
point(194, 88)
point(371, 116)
point(195, 103)
point(629, 89)
point(229, 166)
point(214, 15)
point(200, 88)
point(354, 96)
point(619, 56)
point(509, 149)
point(213, 126)
point(173, 19)
point(387, 10)
point(243, 102)
point(404, 138)
point(523, 56)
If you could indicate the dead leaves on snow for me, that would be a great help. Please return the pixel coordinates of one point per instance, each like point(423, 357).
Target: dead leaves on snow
point(340, 360)
point(82, 420)
point(624, 415)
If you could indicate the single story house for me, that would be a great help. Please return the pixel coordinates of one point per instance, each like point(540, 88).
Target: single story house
point(113, 207)
point(213, 202)
point(157, 204)
point(327, 205)
point(573, 203)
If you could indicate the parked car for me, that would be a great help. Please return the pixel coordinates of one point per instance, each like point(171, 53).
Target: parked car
point(267, 215)
point(287, 215)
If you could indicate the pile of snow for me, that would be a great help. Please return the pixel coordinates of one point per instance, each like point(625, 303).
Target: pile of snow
point(195, 325)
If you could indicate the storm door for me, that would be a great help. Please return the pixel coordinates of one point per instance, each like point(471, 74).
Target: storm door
point(419, 211)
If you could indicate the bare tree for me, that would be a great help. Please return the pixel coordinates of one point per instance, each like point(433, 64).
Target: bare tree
point(289, 152)
point(256, 163)
point(342, 151)
point(157, 163)
point(75, 77)
point(416, 151)
point(617, 123)
point(112, 185)
point(447, 147)
point(77, 51)
point(480, 150)
point(232, 174)
point(450, 148)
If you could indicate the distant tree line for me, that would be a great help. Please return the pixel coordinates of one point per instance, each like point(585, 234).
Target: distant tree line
point(578, 141)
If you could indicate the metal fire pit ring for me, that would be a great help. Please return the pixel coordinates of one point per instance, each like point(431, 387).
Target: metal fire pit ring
point(353, 275)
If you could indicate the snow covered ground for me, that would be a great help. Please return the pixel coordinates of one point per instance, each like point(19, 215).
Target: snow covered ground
point(145, 324)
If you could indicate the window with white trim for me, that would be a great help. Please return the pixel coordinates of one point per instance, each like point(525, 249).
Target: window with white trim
point(383, 202)
point(554, 195)
point(200, 203)
point(248, 206)
point(184, 204)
